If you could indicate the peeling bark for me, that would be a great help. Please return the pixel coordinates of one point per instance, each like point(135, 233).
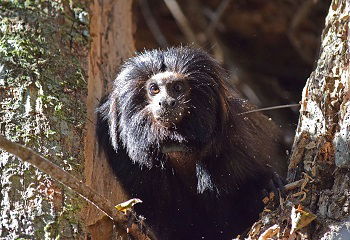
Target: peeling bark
point(320, 154)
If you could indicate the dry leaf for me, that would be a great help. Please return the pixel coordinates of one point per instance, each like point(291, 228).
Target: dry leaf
point(270, 232)
point(126, 206)
point(300, 218)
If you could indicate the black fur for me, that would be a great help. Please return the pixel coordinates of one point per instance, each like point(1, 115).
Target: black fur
point(219, 194)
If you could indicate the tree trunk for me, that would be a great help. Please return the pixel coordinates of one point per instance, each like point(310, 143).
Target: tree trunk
point(111, 43)
point(322, 136)
point(320, 155)
point(42, 89)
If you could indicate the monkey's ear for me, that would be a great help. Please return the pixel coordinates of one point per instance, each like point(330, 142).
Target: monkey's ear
point(106, 124)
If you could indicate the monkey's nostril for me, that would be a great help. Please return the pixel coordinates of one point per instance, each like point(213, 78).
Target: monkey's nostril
point(167, 103)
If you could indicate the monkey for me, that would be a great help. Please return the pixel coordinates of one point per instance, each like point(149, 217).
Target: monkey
point(174, 134)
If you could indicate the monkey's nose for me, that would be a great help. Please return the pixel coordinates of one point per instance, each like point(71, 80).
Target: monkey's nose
point(168, 103)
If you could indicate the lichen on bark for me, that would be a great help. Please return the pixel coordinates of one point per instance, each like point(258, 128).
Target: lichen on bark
point(42, 94)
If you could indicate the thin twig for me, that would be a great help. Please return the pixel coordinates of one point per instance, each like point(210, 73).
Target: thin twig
point(300, 15)
point(216, 18)
point(270, 108)
point(152, 23)
point(73, 183)
point(293, 185)
point(181, 19)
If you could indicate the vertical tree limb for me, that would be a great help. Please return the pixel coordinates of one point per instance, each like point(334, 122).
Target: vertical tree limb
point(111, 31)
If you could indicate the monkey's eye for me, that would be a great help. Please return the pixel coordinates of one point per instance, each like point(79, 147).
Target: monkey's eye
point(178, 87)
point(154, 89)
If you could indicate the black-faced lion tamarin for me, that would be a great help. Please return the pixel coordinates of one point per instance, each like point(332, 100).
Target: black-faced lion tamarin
point(173, 133)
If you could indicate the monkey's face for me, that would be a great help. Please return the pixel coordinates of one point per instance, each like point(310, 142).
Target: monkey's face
point(166, 102)
point(168, 94)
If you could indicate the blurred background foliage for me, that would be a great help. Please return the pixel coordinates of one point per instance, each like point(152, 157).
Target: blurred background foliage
point(269, 47)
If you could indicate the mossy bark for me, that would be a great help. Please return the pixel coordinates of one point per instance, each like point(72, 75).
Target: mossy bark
point(42, 98)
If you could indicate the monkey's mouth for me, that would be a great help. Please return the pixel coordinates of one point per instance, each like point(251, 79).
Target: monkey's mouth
point(168, 118)
point(174, 147)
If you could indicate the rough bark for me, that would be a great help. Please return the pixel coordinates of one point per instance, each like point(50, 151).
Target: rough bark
point(325, 124)
point(320, 155)
point(111, 43)
point(42, 52)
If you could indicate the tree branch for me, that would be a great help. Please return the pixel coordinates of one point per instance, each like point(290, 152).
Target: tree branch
point(77, 185)
point(216, 18)
point(152, 23)
point(181, 19)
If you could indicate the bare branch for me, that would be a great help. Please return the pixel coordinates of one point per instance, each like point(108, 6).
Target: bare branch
point(75, 184)
point(301, 14)
point(216, 18)
point(181, 19)
point(152, 23)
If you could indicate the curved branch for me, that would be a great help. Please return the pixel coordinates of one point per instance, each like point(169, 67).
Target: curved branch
point(77, 185)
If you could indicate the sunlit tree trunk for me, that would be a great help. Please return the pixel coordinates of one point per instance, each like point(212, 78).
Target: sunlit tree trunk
point(321, 152)
point(322, 143)
point(42, 98)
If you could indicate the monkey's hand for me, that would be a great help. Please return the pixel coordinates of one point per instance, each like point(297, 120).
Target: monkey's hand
point(274, 188)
